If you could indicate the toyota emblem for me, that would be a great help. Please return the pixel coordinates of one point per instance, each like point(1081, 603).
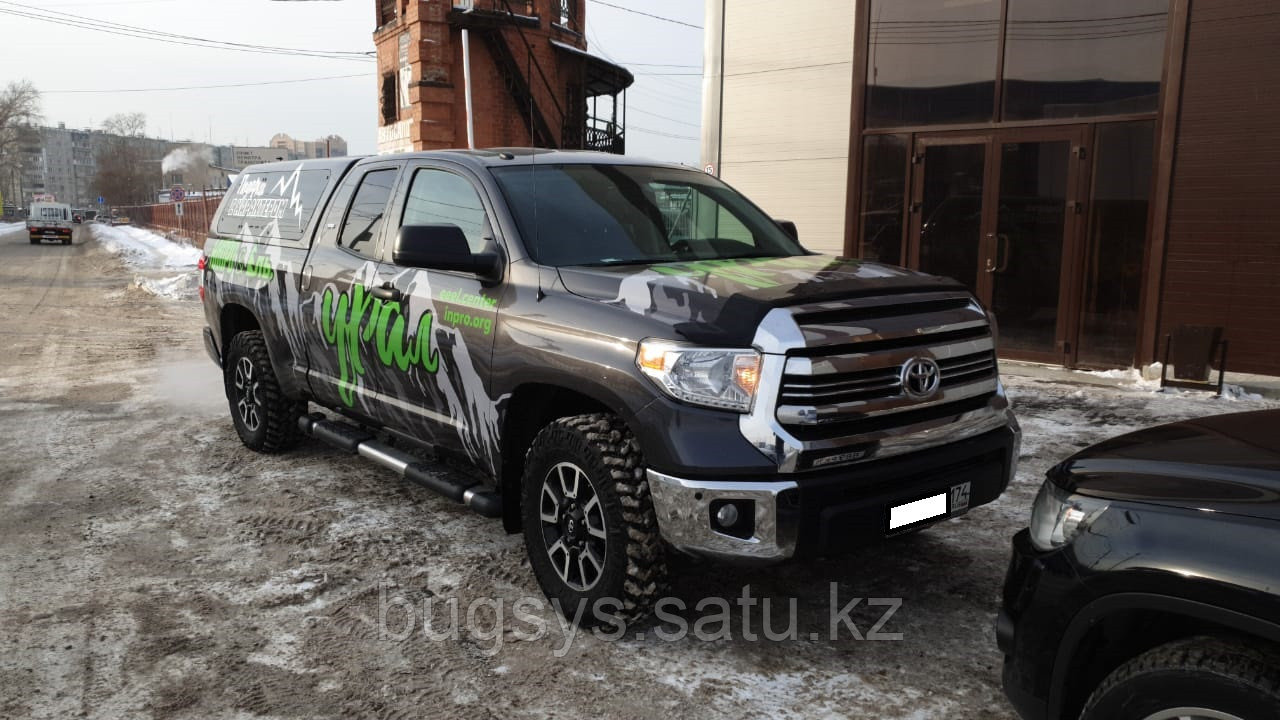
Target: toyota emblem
point(920, 378)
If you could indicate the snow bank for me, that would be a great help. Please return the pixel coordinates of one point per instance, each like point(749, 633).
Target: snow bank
point(1137, 380)
point(11, 227)
point(1128, 377)
point(143, 249)
point(178, 287)
point(151, 255)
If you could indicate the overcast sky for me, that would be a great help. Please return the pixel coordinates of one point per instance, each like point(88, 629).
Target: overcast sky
point(58, 58)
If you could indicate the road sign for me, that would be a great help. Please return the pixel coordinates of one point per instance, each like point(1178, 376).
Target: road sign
point(99, 199)
point(177, 194)
point(177, 209)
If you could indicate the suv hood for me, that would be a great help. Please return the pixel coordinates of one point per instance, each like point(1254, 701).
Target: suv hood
point(1224, 463)
point(720, 302)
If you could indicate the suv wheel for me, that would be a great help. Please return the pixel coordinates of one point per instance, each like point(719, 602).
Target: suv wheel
point(1203, 678)
point(265, 419)
point(589, 525)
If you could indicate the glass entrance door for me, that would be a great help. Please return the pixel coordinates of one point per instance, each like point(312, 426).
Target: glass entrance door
point(1000, 213)
point(1035, 223)
point(947, 209)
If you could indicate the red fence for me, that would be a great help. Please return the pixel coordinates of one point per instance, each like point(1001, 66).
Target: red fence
point(193, 224)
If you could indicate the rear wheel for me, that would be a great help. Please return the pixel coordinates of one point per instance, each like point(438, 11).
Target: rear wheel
point(265, 419)
point(1202, 678)
point(589, 525)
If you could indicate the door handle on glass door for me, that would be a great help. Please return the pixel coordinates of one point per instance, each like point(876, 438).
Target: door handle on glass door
point(1002, 239)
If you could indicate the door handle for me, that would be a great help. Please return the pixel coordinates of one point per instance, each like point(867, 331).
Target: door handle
point(1002, 239)
point(1000, 262)
point(387, 292)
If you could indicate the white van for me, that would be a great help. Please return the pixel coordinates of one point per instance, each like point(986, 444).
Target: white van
point(49, 221)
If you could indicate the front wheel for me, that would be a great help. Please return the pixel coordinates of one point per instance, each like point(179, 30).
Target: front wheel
point(1203, 678)
point(265, 419)
point(589, 525)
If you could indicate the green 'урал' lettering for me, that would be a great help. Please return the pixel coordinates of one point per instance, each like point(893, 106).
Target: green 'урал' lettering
point(354, 319)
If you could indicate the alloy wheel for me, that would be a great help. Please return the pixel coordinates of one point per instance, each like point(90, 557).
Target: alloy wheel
point(247, 403)
point(573, 526)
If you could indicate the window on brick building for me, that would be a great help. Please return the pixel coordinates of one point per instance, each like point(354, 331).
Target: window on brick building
point(390, 107)
point(386, 11)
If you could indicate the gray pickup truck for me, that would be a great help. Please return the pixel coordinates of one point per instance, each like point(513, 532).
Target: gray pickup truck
point(635, 358)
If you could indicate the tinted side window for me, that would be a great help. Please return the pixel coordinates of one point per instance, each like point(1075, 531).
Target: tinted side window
point(364, 219)
point(438, 197)
point(264, 206)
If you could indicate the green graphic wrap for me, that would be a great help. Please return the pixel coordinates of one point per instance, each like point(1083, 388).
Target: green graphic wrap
point(756, 273)
point(243, 259)
point(356, 319)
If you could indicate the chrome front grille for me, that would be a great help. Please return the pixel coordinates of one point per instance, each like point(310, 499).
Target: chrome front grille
point(850, 368)
point(879, 383)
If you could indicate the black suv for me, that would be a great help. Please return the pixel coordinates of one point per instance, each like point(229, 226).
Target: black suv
point(1148, 585)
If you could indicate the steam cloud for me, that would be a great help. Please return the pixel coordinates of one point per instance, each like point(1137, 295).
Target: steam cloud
point(185, 158)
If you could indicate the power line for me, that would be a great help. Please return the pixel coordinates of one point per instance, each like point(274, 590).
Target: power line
point(118, 29)
point(163, 33)
point(664, 117)
point(209, 87)
point(662, 96)
point(647, 131)
point(648, 15)
point(640, 64)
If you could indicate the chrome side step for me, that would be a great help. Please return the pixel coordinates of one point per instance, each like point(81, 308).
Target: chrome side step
point(351, 439)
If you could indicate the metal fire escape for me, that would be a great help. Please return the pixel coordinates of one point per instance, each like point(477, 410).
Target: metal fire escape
point(574, 110)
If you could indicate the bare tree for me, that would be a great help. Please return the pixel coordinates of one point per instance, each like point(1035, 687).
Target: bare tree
point(132, 124)
point(126, 174)
point(19, 112)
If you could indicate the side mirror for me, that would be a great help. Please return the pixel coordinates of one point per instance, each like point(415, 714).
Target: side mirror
point(443, 247)
point(789, 228)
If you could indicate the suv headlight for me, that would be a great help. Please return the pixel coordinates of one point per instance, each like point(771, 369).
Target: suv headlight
point(1058, 517)
point(713, 377)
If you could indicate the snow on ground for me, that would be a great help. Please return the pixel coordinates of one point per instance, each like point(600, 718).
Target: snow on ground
point(145, 250)
point(11, 227)
point(155, 257)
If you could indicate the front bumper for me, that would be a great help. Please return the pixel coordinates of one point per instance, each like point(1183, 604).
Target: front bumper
point(1041, 596)
point(828, 512)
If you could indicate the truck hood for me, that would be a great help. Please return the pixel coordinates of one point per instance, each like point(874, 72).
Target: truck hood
point(721, 302)
point(1224, 463)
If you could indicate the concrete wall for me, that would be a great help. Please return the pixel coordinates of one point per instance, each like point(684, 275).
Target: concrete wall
point(784, 130)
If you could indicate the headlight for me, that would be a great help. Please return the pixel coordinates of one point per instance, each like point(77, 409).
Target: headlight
point(702, 376)
point(1058, 517)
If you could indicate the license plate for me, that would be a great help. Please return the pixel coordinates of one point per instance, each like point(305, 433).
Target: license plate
point(955, 500)
point(918, 511)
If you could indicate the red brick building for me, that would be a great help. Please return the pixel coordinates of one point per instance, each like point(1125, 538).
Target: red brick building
point(532, 80)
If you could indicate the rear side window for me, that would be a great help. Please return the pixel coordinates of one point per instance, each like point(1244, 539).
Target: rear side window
point(364, 219)
point(265, 206)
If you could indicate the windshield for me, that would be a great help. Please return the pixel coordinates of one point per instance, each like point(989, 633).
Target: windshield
point(625, 214)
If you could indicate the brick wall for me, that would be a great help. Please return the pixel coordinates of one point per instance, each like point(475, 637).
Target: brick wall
point(437, 116)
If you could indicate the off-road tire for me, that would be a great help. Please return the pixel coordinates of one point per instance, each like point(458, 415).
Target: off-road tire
point(277, 416)
point(635, 568)
point(1206, 673)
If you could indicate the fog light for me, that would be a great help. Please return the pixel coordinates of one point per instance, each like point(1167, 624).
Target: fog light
point(727, 515)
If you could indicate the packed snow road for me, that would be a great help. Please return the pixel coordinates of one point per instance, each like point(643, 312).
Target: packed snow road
point(150, 566)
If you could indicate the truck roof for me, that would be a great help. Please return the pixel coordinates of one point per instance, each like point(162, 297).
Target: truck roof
point(486, 158)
